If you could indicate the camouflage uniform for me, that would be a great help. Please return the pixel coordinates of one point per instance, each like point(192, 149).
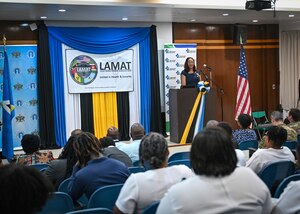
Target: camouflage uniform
point(295, 126)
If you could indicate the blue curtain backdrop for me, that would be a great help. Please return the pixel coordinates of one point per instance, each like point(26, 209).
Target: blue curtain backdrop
point(97, 41)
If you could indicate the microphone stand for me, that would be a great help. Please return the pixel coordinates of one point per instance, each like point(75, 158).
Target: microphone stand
point(219, 88)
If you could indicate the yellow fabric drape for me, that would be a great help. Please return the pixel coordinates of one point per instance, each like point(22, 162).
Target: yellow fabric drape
point(105, 112)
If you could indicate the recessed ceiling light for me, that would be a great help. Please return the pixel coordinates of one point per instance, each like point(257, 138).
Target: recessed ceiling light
point(62, 10)
point(43, 17)
point(291, 15)
point(124, 18)
point(254, 20)
point(225, 14)
point(24, 25)
point(193, 20)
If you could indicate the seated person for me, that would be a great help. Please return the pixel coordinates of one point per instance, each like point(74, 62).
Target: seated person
point(142, 189)
point(137, 132)
point(274, 152)
point(23, 189)
point(61, 169)
point(31, 146)
point(239, 153)
point(288, 202)
point(219, 186)
point(111, 151)
point(294, 119)
point(244, 133)
point(92, 169)
point(211, 123)
point(113, 132)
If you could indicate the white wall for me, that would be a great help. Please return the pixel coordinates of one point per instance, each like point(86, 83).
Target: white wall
point(164, 35)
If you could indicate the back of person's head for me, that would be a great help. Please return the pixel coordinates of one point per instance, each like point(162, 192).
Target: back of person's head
point(186, 64)
point(277, 135)
point(295, 114)
point(107, 141)
point(30, 143)
point(212, 153)
point(86, 145)
point(68, 153)
point(244, 120)
point(153, 151)
point(227, 128)
point(211, 123)
point(23, 189)
point(276, 115)
point(113, 132)
point(137, 131)
point(76, 132)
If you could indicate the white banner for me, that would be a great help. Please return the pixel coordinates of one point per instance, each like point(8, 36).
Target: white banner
point(174, 58)
point(88, 73)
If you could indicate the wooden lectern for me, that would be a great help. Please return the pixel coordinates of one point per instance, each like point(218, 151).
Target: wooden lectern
point(181, 104)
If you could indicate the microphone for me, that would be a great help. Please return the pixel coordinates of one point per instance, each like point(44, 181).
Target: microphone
point(208, 68)
point(204, 74)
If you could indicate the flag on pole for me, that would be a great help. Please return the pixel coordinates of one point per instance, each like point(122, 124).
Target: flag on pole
point(243, 103)
point(8, 112)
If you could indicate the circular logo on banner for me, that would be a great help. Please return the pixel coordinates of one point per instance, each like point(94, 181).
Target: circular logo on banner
point(83, 70)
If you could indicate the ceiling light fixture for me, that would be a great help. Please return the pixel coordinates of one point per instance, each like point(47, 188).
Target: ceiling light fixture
point(225, 14)
point(124, 18)
point(254, 20)
point(24, 25)
point(291, 15)
point(43, 17)
point(62, 10)
point(193, 20)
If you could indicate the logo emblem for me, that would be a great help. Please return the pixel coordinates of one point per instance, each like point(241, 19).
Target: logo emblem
point(83, 70)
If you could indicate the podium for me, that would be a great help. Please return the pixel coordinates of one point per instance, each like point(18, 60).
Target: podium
point(181, 104)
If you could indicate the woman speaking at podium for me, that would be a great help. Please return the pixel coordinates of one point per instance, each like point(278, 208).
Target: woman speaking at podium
point(189, 76)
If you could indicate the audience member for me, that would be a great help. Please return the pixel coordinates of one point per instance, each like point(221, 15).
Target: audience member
point(111, 151)
point(31, 146)
point(137, 132)
point(23, 189)
point(211, 123)
point(220, 186)
point(113, 132)
point(239, 153)
point(244, 133)
point(142, 189)
point(76, 132)
point(288, 203)
point(61, 169)
point(294, 118)
point(92, 169)
point(277, 120)
point(274, 152)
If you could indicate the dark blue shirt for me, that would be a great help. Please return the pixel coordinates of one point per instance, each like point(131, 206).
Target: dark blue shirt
point(97, 173)
point(190, 79)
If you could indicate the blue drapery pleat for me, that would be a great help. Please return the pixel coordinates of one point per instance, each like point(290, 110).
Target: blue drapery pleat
point(97, 41)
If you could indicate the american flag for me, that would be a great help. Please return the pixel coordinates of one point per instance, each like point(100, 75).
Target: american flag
point(243, 104)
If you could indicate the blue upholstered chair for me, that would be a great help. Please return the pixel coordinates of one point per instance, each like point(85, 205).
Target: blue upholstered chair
point(92, 211)
point(274, 173)
point(249, 144)
point(284, 184)
point(179, 156)
point(105, 197)
point(151, 209)
point(58, 203)
point(178, 162)
point(63, 187)
point(136, 169)
point(290, 144)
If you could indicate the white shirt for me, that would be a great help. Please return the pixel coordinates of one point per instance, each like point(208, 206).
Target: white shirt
point(240, 192)
point(263, 157)
point(131, 149)
point(241, 159)
point(141, 189)
point(288, 203)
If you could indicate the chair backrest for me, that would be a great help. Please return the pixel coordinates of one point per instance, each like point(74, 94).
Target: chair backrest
point(259, 117)
point(151, 209)
point(284, 183)
point(136, 169)
point(58, 203)
point(63, 187)
point(39, 166)
point(179, 156)
point(105, 197)
point(136, 163)
point(290, 144)
point(92, 211)
point(246, 145)
point(178, 162)
point(274, 173)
